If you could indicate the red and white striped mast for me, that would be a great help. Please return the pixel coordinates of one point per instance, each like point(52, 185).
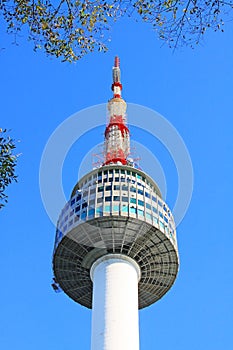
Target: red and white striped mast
point(117, 139)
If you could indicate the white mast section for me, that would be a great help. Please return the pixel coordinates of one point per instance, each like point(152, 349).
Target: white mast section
point(115, 324)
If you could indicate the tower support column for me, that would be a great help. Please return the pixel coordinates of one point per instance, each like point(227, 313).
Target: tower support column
point(115, 323)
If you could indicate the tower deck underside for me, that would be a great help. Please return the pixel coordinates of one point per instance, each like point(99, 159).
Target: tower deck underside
point(116, 209)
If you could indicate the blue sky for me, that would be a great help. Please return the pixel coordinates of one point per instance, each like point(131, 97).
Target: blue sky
point(193, 90)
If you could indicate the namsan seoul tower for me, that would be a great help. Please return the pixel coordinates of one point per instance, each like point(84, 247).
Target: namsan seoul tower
point(115, 248)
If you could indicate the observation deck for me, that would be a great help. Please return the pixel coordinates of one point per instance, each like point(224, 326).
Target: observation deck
point(116, 209)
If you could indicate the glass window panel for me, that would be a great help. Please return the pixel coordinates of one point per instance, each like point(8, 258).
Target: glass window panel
point(140, 202)
point(100, 188)
point(84, 215)
point(125, 199)
point(78, 197)
point(116, 187)
point(140, 212)
point(91, 212)
point(116, 207)
point(161, 224)
point(125, 208)
point(108, 199)
point(133, 210)
point(107, 208)
point(133, 189)
point(133, 200)
point(116, 198)
point(99, 210)
point(148, 206)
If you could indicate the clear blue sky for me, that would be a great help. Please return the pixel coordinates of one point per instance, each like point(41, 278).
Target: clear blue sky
point(193, 90)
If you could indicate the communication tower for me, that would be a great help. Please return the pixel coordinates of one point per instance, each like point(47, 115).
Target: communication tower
point(115, 248)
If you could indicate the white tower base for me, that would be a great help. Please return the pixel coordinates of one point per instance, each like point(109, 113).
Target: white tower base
point(115, 323)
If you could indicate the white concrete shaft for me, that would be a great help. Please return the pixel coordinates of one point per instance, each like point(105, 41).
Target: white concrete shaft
point(115, 324)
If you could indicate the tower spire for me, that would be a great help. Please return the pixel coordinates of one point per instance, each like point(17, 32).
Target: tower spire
point(116, 74)
point(117, 140)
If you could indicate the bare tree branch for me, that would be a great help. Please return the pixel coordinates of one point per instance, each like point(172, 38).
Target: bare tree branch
point(71, 28)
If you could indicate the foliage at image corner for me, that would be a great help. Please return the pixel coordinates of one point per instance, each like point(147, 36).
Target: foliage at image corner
point(69, 29)
point(8, 162)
